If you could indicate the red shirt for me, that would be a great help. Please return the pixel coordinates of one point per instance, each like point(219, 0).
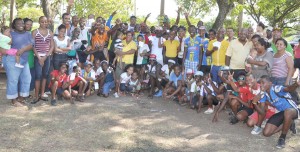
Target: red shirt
point(297, 51)
point(75, 81)
point(244, 92)
point(62, 78)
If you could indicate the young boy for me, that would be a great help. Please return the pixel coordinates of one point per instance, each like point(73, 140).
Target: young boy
point(175, 84)
point(90, 76)
point(188, 84)
point(77, 84)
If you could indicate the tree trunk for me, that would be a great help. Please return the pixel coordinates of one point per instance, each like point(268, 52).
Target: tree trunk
point(50, 10)
point(240, 17)
point(225, 6)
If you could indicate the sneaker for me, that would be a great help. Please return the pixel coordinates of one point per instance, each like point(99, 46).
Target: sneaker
point(280, 143)
point(158, 94)
point(256, 130)
point(44, 95)
point(293, 128)
point(19, 65)
point(47, 93)
point(53, 102)
point(209, 111)
point(116, 95)
point(233, 120)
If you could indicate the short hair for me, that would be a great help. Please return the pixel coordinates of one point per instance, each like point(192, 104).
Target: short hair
point(132, 17)
point(13, 25)
point(127, 32)
point(264, 43)
point(3, 28)
point(284, 41)
point(181, 28)
point(230, 28)
point(140, 36)
point(64, 14)
point(255, 36)
point(39, 18)
point(262, 25)
point(27, 20)
point(266, 77)
point(213, 31)
point(61, 27)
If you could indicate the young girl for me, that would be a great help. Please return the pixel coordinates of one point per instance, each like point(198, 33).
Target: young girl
point(5, 43)
point(134, 84)
point(188, 83)
point(124, 79)
point(109, 77)
point(118, 46)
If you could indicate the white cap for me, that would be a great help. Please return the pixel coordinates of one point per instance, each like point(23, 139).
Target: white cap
point(164, 68)
point(200, 73)
point(171, 61)
point(189, 71)
point(158, 28)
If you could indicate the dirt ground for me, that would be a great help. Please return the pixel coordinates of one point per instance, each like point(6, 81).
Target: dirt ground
point(125, 124)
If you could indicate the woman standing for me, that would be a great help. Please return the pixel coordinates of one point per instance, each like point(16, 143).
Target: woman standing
point(283, 66)
point(62, 47)
point(263, 62)
point(43, 49)
point(18, 79)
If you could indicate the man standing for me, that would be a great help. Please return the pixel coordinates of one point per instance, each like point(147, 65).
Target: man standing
point(66, 17)
point(205, 60)
point(156, 44)
point(277, 33)
point(230, 34)
point(237, 52)
point(74, 24)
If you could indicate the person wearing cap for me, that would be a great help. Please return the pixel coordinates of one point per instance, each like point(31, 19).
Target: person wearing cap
point(172, 47)
point(186, 90)
point(217, 50)
point(238, 51)
point(193, 92)
point(90, 76)
point(277, 34)
point(156, 44)
point(205, 61)
point(192, 47)
point(207, 94)
point(154, 70)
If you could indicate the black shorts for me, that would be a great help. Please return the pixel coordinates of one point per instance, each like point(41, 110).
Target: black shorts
point(277, 119)
point(297, 63)
point(82, 56)
point(99, 55)
point(247, 109)
point(76, 88)
point(215, 101)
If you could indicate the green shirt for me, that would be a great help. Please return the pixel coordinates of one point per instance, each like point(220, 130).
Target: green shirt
point(288, 48)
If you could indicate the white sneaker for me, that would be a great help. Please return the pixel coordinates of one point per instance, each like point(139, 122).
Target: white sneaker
point(116, 95)
point(256, 130)
point(19, 65)
point(209, 111)
point(47, 93)
point(44, 95)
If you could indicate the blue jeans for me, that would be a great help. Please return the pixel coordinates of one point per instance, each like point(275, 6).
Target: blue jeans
point(278, 81)
point(214, 73)
point(32, 83)
point(41, 72)
point(123, 88)
point(107, 86)
point(15, 75)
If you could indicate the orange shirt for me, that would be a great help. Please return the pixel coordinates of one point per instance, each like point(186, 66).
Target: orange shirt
point(98, 39)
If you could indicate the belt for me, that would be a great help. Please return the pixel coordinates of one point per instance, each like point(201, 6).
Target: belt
point(60, 53)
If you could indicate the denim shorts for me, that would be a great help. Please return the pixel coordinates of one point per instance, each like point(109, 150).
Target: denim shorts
point(41, 72)
point(58, 59)
point(107, 86)
point(123, 87)
point(18, 79)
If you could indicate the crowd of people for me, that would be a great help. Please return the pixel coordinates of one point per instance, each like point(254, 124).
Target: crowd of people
point(198, 68)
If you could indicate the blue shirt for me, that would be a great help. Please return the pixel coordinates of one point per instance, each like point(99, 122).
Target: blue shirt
point(173, 78)
point(21, 40)
point(204, 43)
point(193, 48)
point(279, 103)
point(108, 23)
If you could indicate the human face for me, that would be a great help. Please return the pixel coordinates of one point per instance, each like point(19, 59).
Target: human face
point(189, 76)
point(88, 68)
point(280, 46)
point(265, 85)
point(28, 26)
point(75, 20)
point(152, 61)
point(177, 70)
point(192, 31)
point(202, 32)
point(221, 34)
point(181, 33)
point(62, 32)
point(200, 23)
point(97, 64)
point(259, 28)
point(197, 78)
point(104, 66)
point(250, 32)
point(243, 35)
point(63, 69)
point(140, 39)
point(137, 28)
point(277, 34)
point(128, 37)
point(101, 29)
point(134, 75)
point(255, 41)
point(230, 33)
point(250, 80)
point(172, 35)
point(43, 22)
point(241, 80)
point(7, 32)
point(66, 19)
point(82, 22)
point(77, 71)
point(212, 35)
point(19, 25)
point(133, 21)
point(130, 70)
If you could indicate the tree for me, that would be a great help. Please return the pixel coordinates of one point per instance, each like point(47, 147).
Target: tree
point(50, 9)
point(225, 6)
point(281, 13)
point(33, 13)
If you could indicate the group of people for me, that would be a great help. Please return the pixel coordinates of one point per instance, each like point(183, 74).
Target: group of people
point(251, 74)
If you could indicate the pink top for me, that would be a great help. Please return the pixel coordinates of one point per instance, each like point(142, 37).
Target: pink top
point(280, 68)
point(297, 51)
point(42, 44)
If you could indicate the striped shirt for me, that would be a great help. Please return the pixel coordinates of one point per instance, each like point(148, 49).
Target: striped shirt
point(42, 44)
point(280, 68)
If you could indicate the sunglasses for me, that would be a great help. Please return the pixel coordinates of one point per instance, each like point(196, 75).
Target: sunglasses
point(241, 78)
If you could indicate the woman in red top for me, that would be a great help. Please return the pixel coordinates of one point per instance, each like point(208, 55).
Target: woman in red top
point(297, 56)
point(59, 84)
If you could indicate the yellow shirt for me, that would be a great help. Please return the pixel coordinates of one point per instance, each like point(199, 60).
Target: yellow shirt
point(238, 53)
point(171, 48)
point(128, 58)
point(218, 57)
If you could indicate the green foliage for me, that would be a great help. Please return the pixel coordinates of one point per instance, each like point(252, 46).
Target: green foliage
point(103, 8)
point(32, 13)
point(196, 7)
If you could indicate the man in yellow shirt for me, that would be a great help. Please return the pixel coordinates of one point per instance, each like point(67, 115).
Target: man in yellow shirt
point(172, 47)
point(237, 52)
point(217, 49)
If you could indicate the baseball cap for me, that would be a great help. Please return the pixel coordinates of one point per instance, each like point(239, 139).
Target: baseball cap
point(199, 73)
point(171, 61)
point(225, 68)
point(88, 63)
point(152, 56)
point(202, 28)
point(189, 71)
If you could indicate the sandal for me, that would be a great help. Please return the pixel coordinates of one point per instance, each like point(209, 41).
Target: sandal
point(17, 104)
point(36, 100)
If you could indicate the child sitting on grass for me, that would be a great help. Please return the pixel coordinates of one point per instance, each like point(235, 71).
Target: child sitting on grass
point(124, 79)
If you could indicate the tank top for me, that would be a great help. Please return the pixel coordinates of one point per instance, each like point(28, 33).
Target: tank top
point(42, 44)
point(59, 43)
point(133, 83)
point(280, 68)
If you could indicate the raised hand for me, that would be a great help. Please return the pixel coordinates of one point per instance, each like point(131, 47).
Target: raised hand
point(230, 76)
point(186, 14)
point(114, 13)
point(148, 15)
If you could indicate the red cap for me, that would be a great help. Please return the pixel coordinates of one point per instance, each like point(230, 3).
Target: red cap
point(152, 56)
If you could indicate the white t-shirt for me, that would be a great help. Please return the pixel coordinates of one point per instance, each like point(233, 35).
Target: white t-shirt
point(194, 87)
point(203, 92)
point(99, 71)
point(166, 70)
point(124, 77)
point(155, 49)
point(143, 49)
point(61, 44)
point(84, 33)
point(90, 22)
point(180, 54)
